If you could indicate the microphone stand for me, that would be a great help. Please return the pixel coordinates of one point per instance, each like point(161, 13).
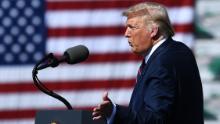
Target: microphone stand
point(50, 61)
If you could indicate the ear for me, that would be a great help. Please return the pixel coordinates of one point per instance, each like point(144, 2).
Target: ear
point(154, 30)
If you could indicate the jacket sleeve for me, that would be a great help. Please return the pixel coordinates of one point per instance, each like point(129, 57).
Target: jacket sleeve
point(160, 90)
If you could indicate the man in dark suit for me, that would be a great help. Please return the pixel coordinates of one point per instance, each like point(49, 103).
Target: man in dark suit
point(168, 88)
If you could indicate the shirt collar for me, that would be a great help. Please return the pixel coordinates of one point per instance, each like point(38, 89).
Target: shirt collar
point(153, 49)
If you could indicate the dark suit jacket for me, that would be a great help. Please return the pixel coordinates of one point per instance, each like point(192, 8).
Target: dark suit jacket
point(168, 91)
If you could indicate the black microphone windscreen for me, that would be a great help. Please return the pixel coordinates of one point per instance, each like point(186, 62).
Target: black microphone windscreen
point(76, 54)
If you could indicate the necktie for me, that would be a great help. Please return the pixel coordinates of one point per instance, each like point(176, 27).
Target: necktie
point(141, 67)
point(140, 71)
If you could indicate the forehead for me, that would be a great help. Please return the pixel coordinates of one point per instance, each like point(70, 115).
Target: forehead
point(134, 21)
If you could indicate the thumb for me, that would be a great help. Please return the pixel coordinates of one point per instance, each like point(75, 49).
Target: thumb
point(105, 96)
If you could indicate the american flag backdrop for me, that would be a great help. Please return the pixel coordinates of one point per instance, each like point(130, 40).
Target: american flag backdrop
point(29, 29)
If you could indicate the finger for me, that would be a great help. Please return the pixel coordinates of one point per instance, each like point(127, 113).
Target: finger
point(105, 104)
point(97, 117)
point(105, 96)
point(97, 109)
point(95, 114)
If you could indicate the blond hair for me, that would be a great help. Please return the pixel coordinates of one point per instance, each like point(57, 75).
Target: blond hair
point(155, 12)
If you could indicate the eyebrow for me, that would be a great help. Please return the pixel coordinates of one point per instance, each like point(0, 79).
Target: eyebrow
point(129, 25)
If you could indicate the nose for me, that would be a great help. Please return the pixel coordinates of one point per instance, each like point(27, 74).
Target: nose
point(127, 32)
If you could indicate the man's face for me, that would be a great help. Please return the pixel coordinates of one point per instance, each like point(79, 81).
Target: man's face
point(139, 36)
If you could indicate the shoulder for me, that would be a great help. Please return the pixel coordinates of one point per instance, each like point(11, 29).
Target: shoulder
point(176, 49)
point(173, 52)
point(177, 46)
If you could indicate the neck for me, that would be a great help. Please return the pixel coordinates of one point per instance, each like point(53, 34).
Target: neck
point(153, 42)
point(157, 39)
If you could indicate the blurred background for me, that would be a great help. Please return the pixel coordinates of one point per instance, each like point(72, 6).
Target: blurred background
point(30, 29)
point(207, 52)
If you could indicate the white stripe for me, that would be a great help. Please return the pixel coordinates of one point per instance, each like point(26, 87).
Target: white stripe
point(98, 71)
point(83, 98)
point(17, 121)
point(107, 17)
point(181, 15)
point(103, 44)
point(100, 44)
point(186, 38)
point(84, 18)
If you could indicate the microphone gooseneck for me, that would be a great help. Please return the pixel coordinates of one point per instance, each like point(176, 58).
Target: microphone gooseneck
point(72, 55)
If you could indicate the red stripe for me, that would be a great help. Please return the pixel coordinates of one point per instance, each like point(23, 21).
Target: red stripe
point(112, 57)
point(103, 31)
point(85, 31)
point(184, 28)
point(67, 5)
point(30, 113)
point(67, 85)
point(17, 114)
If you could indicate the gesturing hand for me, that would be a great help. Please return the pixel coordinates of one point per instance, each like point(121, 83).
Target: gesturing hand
point(104, 109)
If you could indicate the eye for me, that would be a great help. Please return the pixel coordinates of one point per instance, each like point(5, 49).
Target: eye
point(133, 27)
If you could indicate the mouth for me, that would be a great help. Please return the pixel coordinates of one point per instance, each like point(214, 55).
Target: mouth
point(130, 44)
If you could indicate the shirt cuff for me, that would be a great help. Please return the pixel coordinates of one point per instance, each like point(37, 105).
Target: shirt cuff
point(111, 118)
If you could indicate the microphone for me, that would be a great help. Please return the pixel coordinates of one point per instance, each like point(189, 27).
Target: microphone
point(72, 55)
point(76, 54)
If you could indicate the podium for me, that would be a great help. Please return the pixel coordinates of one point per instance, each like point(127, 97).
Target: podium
point(65, 117)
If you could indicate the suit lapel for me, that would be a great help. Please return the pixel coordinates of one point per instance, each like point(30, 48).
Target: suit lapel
point(162, 47)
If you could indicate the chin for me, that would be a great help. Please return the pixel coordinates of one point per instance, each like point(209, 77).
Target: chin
point(136, 52)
